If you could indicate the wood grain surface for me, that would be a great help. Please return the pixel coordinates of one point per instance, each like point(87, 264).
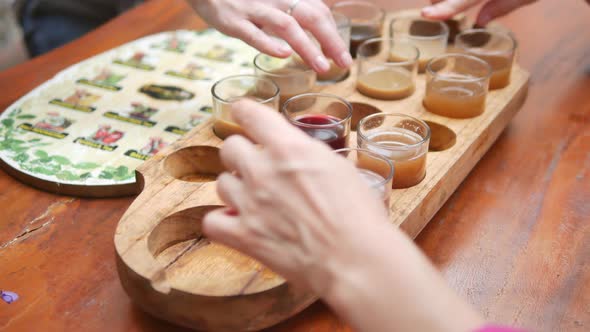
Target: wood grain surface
point(514, 239)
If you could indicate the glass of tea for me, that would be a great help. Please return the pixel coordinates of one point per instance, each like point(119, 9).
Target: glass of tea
point(402, 139)
point(366, 21)
point(376, 170)
point(322, 116)
point(430, 37)
point(292, 75)
point(457, 85)
point(233, 88)
point(336, 73)
point(497, 48)
point(387, 69)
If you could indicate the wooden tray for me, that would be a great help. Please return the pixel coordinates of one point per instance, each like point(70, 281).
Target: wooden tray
point(173, 272)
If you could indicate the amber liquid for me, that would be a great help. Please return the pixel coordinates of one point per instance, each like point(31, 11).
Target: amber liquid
point(410, 163)
point(502, 68)
point(360, 33)
point(387, 84)
point(455, 99)
point(223, 126)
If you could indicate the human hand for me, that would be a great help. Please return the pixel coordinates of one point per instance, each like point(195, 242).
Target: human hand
point(445, 9)
point(254, 21)
point(300, 209)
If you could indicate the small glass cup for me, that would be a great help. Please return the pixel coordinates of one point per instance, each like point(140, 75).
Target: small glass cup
point(292, 75)
point(233, 88)
point(387, 70)
point(430, 37)
point(401, 138)
point(497, 48)
point(336, 73)
point(366, 21)
point(375, 169)
point(322, 116)
point(457, 86)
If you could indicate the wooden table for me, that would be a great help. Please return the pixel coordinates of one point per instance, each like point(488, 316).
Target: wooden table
point(514, 239)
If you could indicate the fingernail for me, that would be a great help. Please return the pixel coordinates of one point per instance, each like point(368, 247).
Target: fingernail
point(321, 64)
point(428, 11)
point(285, 49)
point(345, 59)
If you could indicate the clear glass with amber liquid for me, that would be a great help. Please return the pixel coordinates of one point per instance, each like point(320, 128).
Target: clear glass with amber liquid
point(495, 47)
point(366, 21)
point(402, 139)
point(233, 88)
point(291, 75)
point(387, 72)
point(457, 86)
point(430, 37)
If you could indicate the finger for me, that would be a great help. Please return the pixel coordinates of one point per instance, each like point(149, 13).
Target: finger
point(240, 155)
point(265, 126)
point(444, 10)
point(317, 18)
point(231, 191)
point(286, 27)
point(497, 8)
point(220, 226)
point(253, 36)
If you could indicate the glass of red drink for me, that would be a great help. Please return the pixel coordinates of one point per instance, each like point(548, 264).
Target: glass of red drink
point(322, 116)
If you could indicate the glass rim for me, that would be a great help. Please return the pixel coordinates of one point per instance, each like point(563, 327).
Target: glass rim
point(504, 34)
point(380, 11)
point(359, 131)
point(322, 95)
point(445, 28)
point(377, 156)
point(270, 73)
point(365, 58)
point(234, 77)
point(489, 69)
point(346, 23)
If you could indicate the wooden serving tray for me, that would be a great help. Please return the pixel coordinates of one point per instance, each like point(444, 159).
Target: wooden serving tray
point(173, 272)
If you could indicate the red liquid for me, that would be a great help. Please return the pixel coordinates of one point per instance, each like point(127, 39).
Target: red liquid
point(335, 134)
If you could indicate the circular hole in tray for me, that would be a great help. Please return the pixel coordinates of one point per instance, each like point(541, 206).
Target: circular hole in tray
point(197, 265)
point(194, 164)
point(443, 137)
point(361, 110)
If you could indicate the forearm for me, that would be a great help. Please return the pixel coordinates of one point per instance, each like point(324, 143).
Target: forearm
point(395, 288)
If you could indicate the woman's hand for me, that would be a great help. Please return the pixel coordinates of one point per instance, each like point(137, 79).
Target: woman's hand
point(299, 207)
point(254, 21)
point(304, 211)
point(445, 9)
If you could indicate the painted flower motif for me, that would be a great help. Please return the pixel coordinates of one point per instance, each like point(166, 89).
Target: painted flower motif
point(8, 296)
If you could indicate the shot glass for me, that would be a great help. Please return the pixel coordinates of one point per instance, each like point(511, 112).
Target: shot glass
point(387, 71)
point(233, 88)
point(497, 48)
point(322, 116)
point(400, 138)
point(457, 85)
point(336, 73)
point(366, 21)
point(292, 75)
point(430, 37)
point(375, 169)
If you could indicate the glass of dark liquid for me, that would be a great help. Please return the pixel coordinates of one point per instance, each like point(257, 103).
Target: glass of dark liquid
point(322, 116)
point(366, 21)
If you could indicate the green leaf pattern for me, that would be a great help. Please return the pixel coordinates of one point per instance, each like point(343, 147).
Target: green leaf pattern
point(32, 158)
